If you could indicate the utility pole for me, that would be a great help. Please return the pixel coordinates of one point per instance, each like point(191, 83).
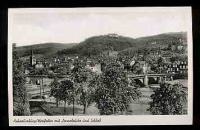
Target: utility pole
point(42, 86)
point(40, 89)
point(73, 104)
point(73, 97)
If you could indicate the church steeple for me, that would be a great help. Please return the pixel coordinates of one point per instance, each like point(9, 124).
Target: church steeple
point(32, 58)
point(31, 52)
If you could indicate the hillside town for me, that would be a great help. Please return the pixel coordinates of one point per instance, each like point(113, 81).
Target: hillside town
point(145, 69)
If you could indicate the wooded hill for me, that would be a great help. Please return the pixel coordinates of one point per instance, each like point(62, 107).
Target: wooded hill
point(96, 44)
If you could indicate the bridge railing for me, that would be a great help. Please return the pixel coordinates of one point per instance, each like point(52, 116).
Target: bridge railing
point(149, 74)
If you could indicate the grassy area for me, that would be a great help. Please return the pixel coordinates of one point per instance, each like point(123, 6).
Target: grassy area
point(184, 82)
point(51, 108)
point(140, 106)
point(78, 110)
point(138, 109)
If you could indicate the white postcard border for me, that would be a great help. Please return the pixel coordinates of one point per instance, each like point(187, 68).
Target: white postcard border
point(106, 120)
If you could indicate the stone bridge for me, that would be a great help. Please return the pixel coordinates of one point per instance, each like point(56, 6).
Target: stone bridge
point(144, 78)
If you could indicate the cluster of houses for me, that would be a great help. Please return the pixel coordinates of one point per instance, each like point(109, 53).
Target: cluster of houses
point(38, 63)
point(180, 67)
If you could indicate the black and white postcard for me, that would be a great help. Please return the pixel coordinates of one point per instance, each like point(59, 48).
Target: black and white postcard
point(100, 66)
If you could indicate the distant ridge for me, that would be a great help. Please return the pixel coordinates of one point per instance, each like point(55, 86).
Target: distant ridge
point(43, 48)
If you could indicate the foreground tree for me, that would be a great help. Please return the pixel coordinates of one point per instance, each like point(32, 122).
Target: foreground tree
point(66, 93)
point(168, 100)
point(82, 78)
point(84, 95)
point(20, 98)
point(113, 93)
point(55, 90)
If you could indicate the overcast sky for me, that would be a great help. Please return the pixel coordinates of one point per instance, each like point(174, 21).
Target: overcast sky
point(33, 26)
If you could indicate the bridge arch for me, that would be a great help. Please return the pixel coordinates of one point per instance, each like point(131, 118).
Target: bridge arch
point(153, 80)
point(139, 82)
point(38, 97)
